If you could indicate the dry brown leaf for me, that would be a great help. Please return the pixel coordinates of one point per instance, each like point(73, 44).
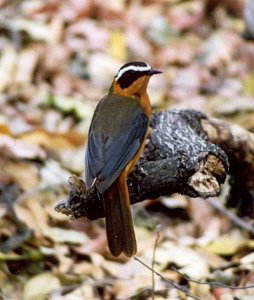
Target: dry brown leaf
point(3, 2)
point(40, 286)
point(188, 260)
point(62, 252)
point(85, 291)
point(37, 30)
point(83, 268)
point(39, 214)
point(226, 245)
point(55, 57)
point(25, 175)
point(26, 63)
point(61, 236)
point(137, 44)
point(53, 174)
point(97, 261)
point(133, 277)
point(78, 47)
point(96, 36)
point(222, 293)
point(46, 139)
point(111, 10)
point(202, 214)
point(219, 49)
point(187, 82)
point(102, 68)
point(95, 245)
point(79, 9)
point(21, 149)
point(26, 216)
point(186, 15)
point(7, 66)
point(117, 45)
point(5, 130)
point(178, 51)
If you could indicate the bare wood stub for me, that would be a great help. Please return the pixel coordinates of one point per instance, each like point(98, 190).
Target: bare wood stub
point(238, 143)
point(205, 180)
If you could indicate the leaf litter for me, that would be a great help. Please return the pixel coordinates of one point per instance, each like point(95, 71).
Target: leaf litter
point(57, 60)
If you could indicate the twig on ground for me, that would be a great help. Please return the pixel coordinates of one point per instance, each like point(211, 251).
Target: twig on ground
point(170, 282)
point(211, 283)
point(231, 216)
point(153, 262)
point(184, 289)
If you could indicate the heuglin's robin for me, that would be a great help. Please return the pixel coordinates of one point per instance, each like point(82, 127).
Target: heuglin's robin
point(116, 140)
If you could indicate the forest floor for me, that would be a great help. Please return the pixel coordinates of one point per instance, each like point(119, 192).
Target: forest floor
point(57, 60)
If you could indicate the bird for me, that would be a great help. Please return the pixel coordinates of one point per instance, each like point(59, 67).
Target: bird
point(116, 139)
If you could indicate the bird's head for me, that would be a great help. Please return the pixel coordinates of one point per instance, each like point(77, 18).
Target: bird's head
point(132, 78)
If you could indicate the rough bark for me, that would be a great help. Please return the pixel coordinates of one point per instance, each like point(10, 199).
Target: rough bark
point(238, 144)
point(181, 156)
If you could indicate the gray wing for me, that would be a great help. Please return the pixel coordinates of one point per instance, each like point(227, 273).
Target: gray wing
point(107, 156)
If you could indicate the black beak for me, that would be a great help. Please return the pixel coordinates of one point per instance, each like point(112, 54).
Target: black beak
point(153, 72)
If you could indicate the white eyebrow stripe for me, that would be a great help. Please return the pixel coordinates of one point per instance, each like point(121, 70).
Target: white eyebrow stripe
point(134, 68)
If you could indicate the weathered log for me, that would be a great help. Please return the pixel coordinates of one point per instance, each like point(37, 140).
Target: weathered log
point(238, 143)
point(179, 157)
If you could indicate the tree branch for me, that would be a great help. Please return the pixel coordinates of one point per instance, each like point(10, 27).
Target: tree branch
point(238, 143)
point(179, 157)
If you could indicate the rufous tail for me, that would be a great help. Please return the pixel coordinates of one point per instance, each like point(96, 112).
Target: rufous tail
point(119, 225)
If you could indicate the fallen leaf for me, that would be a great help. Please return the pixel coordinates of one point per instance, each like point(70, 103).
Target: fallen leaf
point(26, 64)
point(59, 235)
point(37, 30)
point(219, 49)
point(46, 139)
point(40, 217)
point(7, 66)
point(102, 68)
point(24, 174)
point(185, 15)
point(96, 36)
point(65, 261)
point(117, 45)
point(66, 104)
point(187, 82)
point(26, 216)
point(52, 174)
point(189, 261)
point(160, 31)
point(136, 43)
point(248, 259)
point(179, 52)
point(225, 245)
point(95, 245)
point(248, 85)
point(4, 129)
point(40, 286)
point(21, 149)
point(133, 277)
point(85, 291)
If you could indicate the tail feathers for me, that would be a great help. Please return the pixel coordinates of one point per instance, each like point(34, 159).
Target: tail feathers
point(119, 225)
